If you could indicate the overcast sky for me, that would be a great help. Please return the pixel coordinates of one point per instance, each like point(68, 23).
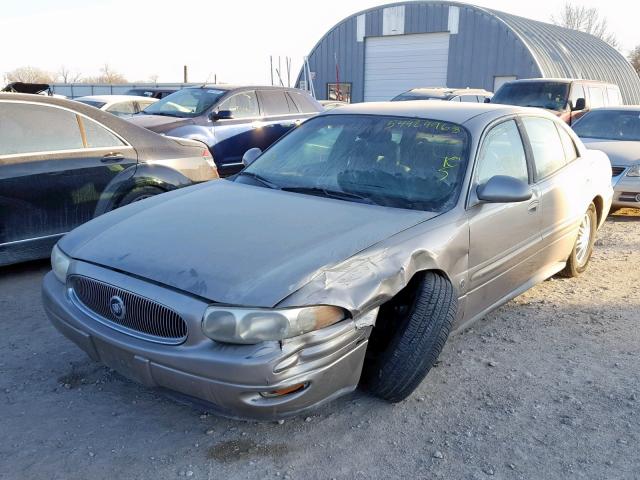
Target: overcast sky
point(232, 39)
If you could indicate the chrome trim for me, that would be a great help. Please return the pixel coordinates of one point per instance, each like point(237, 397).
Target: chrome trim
point(32, 239)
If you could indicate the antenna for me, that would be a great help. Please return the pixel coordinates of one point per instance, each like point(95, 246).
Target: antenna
point(207, 80)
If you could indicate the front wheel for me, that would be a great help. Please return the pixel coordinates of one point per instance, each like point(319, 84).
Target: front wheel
point(413, 328)
point(581, 253)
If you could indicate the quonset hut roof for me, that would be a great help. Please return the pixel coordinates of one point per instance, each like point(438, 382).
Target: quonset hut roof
point(564, 53)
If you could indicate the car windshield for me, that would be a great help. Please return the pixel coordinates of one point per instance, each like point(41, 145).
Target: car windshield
point(398, 162)
point(189, 102)
point(549, 95)
point(93, 103)
point(610, 125)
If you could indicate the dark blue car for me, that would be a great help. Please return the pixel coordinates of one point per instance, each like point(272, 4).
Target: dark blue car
point(229, 119)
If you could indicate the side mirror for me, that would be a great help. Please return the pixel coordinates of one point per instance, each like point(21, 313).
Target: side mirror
point(221, 115)
point(504, 189)
point(487, 100)
point(581, 104)
point(250, 156)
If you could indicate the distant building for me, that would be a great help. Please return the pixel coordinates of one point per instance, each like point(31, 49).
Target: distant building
point(381, 52)
point(74, 90)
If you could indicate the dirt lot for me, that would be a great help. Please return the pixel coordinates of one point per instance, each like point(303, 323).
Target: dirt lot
point(546, 387)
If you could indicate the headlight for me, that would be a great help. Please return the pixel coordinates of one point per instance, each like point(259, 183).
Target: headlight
point(634, 171)
point(59, 264)
point(255, 325)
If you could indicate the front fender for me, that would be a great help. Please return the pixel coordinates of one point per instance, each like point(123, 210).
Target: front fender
point(146, 175)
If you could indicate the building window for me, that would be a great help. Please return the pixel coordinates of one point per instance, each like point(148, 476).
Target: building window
point(339, 91)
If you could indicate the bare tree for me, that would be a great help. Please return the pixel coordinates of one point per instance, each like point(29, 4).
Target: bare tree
point(585, 19)
point(634, 58)
point(154, 78)
point(29, 75)
point(67, 76)
point(107, 75)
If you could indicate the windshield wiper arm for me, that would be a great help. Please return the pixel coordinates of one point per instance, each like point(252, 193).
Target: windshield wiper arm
point(330, 193)
point(261, 179)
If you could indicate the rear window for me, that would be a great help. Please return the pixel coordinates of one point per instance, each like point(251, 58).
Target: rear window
point(548, 95)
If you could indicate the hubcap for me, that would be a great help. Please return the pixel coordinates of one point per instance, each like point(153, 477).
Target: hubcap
point(584, 239)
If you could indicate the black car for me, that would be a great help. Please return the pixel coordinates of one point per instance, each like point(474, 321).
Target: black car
point(151, 92)
point(229, 119)
point(63, 163)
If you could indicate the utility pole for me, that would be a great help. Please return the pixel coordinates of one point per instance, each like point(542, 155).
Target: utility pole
point(271, 64)
point(185, 77)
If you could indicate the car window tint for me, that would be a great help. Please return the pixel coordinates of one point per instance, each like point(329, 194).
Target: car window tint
point(26, 128)
point(303, 102)
point(576, 92)
point(596, 97)
point(274, 102)
point(502, 153)
point(548, 152)
point(570, 152)
point(98, 136)
point(122, 108)
point(241, 105)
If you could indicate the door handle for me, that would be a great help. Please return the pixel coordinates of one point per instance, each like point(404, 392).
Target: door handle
point(112, 157)
point(533, 206)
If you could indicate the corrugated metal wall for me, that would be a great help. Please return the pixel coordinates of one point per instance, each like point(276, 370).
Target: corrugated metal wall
point(487, 44)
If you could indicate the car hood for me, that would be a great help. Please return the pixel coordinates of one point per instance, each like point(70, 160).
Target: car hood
point(233, 243)
point(620, 153)
point(159, 123)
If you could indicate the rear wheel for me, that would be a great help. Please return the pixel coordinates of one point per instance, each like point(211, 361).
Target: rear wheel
point(581, 254)
point(409, 336)
point(139, 193)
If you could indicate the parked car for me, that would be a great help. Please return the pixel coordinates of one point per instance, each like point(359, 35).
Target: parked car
point(151, 92)
point(230, 120)
point(63, 163)
point(469, 95)
point(331, 104)
point(360, 239)
point(120, 105)
point(616, 132)
point(567, 98)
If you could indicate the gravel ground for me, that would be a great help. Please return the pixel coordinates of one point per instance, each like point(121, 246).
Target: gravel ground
point(546, 387)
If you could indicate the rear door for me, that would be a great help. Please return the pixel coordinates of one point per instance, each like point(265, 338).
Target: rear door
point(54, 166)
point(280, 114)
point(504, 237)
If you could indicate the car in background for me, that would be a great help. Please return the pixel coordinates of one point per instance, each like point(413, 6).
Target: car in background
point(63, 163)
point(331, 104)
point(343, 254)
point(229, 119)
point(616, 132)
point(470, 95)
point(567, 98)
point(151, 92)
point(119, 105)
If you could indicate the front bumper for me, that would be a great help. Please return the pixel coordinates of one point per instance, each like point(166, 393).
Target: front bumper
point(229, 378)
point(626, 192)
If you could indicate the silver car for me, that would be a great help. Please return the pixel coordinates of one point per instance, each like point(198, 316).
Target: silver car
point(343, 255)
point(616, 131)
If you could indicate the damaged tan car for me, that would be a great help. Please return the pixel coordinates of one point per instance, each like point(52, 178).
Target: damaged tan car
point(343, 255)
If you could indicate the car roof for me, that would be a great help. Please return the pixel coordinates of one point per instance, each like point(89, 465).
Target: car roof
point(561, 80)
point(629, 108)
point(113, 98)
point(454, 112)
point(443, 91)
point(228, 87)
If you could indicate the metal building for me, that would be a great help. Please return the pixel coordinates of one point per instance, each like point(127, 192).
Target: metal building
point(381, 52)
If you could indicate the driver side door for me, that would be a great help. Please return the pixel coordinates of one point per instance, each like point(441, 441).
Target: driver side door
point(504, 238)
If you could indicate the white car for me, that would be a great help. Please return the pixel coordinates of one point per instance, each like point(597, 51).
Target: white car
point(120, 105)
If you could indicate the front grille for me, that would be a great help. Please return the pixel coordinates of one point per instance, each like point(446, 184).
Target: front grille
point(140, 315)
point(615, 171)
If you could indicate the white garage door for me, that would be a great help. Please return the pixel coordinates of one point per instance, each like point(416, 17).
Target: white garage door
point(397, 63)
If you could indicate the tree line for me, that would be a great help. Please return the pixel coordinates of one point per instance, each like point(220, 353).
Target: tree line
point(30, 74)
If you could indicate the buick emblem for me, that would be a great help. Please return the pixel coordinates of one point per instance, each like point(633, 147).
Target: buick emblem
point(117, 307)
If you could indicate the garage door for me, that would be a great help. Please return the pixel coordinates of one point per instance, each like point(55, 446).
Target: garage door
point(397, 63)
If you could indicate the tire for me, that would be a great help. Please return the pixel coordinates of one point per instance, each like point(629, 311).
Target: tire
point(578, 260)
point(416, 334)
point(139, 193)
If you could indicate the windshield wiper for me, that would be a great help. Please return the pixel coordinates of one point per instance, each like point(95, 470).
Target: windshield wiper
point(330, 193)
point(261, 179)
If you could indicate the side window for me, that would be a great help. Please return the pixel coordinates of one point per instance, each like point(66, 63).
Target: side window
point(469, 98)
point(455, 99)
point(242, 105)
point(97, 136)
point(576, 92)
point(502, 153)
point(596, 97)
point(303, 102)
point(28, 128)
point(613, 95)
point(274, 102)
point(570, 152)
point(548, 152)
point(122, 108)
point(142, 105)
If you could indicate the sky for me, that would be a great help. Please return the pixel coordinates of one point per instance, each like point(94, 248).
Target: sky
point(231, 40)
